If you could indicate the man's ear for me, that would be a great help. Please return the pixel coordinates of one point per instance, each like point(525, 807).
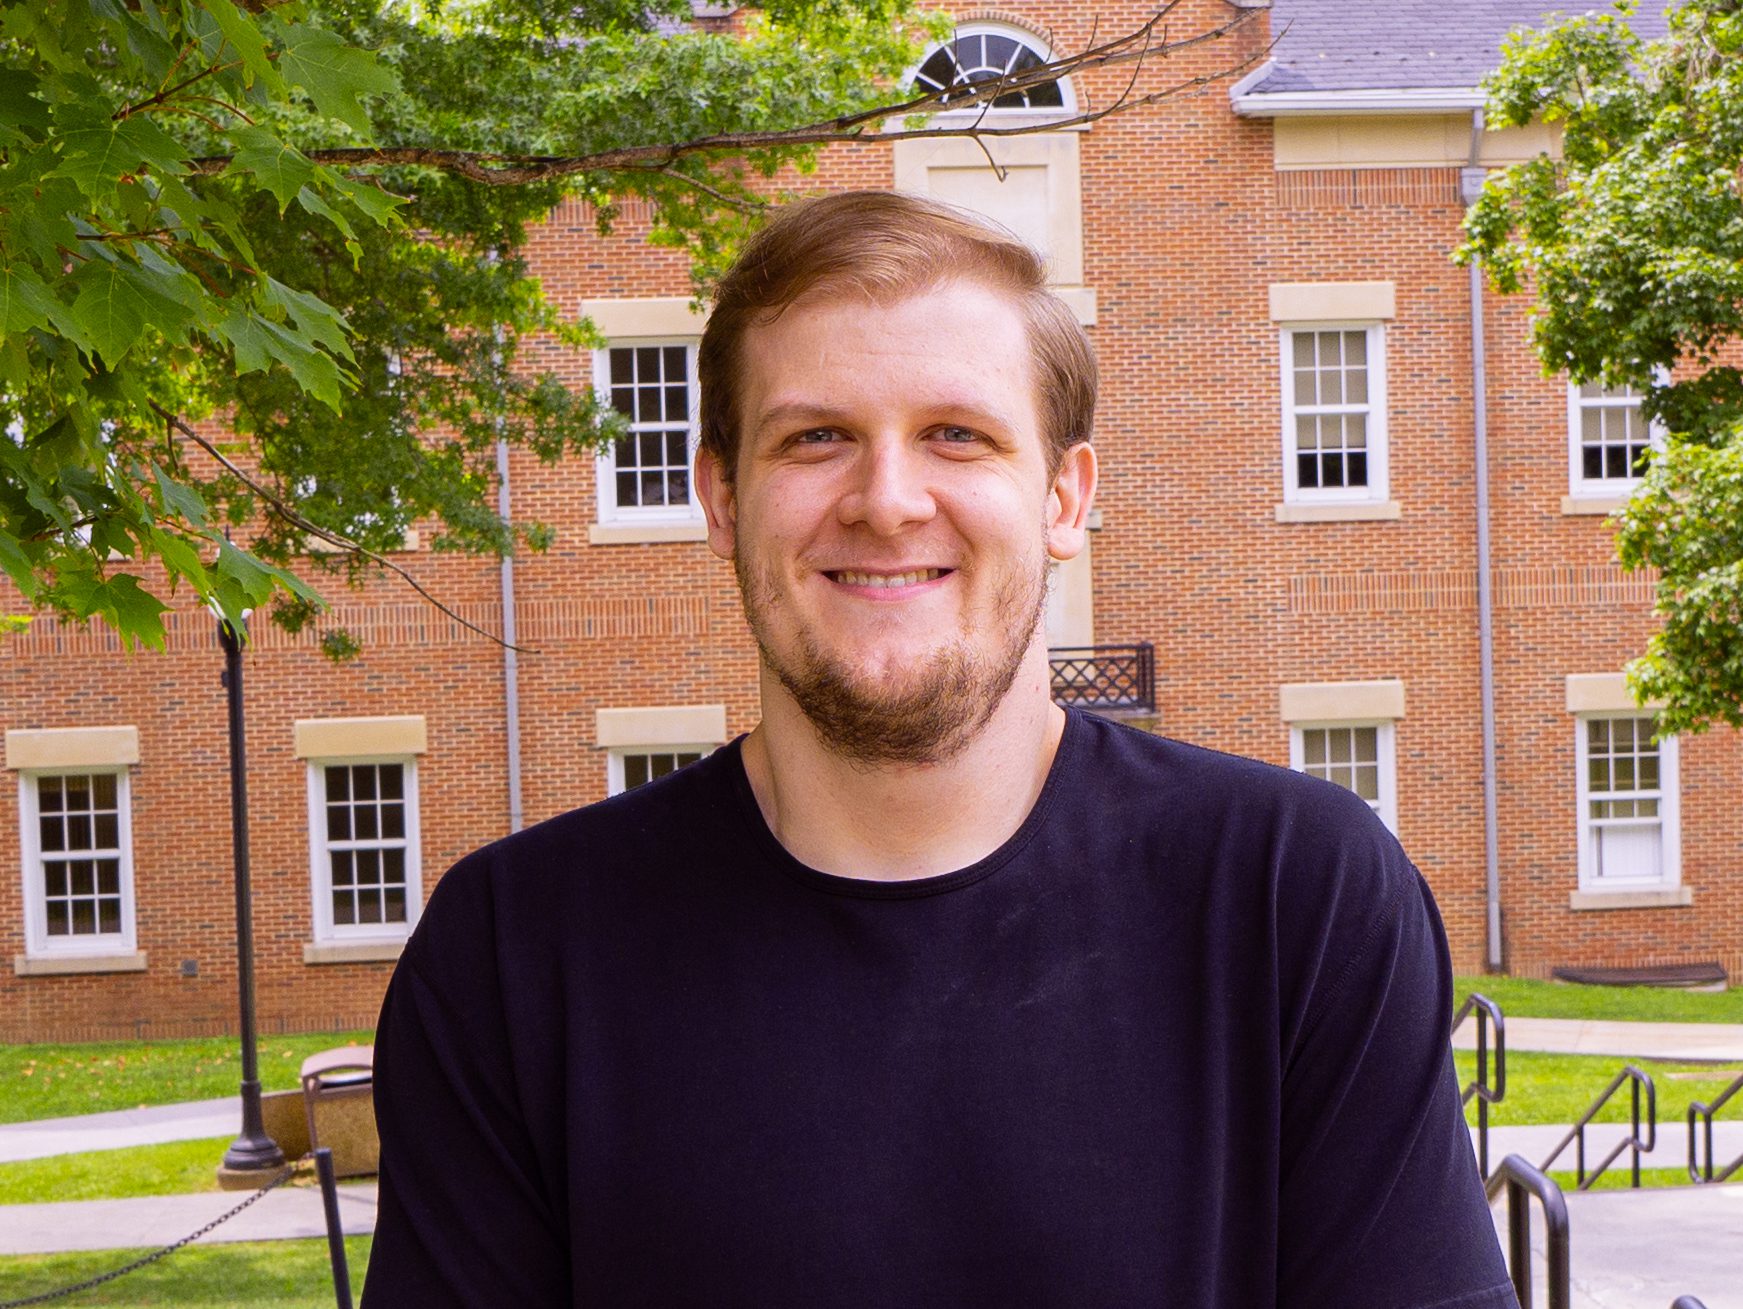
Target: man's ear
point(719, 504)
point(1069, 501)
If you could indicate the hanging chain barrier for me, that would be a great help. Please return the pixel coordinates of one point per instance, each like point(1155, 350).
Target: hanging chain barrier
point(289, 1171)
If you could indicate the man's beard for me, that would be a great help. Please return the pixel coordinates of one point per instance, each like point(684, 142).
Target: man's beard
point(926, 716)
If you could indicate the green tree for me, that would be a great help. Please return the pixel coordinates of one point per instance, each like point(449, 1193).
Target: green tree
point(1632, 247)
point(303, 224)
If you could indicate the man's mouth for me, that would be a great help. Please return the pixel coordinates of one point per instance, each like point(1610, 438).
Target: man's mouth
point(878, 581)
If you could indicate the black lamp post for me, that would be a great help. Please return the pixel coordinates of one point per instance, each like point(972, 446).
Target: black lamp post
point(253, 1149)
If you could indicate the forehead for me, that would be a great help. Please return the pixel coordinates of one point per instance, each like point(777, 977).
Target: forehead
point(954, 341)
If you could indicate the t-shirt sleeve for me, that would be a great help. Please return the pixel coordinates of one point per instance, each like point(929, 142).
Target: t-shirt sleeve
point(1380, 1200)
point(464, 1215)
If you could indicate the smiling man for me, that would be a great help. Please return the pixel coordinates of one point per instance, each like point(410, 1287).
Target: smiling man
point(925, 991)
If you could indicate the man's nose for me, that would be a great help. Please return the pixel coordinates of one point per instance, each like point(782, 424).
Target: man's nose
point(888, 489)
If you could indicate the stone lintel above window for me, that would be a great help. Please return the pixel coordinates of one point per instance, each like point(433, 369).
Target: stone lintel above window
point(1340, 702)
point(660, 725)
point(72, 748)
point(342, 738)
point(1325, 302)
point(1603, 693)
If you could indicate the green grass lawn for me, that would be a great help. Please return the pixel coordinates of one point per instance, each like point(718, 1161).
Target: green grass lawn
point(53, 1081)
point(1556, 1088)
point(175, 1168)
point(245, 1275)
point(1524, 997)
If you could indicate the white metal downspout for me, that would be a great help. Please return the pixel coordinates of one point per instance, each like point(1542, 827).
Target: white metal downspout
point(1471, 185)
point(510, 656)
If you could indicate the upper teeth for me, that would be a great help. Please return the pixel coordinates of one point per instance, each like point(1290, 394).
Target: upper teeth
point(851, 578)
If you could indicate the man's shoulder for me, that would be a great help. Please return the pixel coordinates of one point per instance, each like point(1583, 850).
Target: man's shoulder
point(1195, 784)
point(620, 845)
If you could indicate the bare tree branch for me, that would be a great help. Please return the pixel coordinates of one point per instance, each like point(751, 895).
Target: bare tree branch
point(296, 520)
point(500, 169)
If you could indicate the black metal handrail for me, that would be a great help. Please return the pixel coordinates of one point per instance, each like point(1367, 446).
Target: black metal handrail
point(1521, 1178)
point(1105, 676)
point(1703, 1111)
point(1487, 1093)
point(1577, 1133)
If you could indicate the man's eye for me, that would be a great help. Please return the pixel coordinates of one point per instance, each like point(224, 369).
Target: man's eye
point(956, 435)
point(816, 436)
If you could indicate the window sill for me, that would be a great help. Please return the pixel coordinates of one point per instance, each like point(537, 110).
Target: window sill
point(645, 533)
point(1669, 898)
point(1360, 511)
point(132, 961)
point(352, 952)
point(1593, 505)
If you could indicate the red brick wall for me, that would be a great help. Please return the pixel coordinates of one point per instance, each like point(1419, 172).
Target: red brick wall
point(1185, 224)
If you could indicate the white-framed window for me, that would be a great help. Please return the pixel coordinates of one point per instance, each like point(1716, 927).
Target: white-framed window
point(78, 861)
point(1629, 803)
point(1608, 439)
point(1334, 413)
point(645, 476)
point(1359, 756)
point(980, 52)
point(364, 852)
point(627, 767)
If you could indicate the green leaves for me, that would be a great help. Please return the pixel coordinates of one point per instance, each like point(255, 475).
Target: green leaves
point(1632, 246)
point(281, 168)
point(204, 331)
point(334, 74)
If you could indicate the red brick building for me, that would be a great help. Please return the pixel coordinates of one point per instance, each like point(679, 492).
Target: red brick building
point(1305, 420)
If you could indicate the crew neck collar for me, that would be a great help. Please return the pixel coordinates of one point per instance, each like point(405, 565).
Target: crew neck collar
point(912, 888)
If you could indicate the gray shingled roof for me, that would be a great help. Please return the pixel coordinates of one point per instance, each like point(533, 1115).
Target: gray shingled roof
point(1358, 45)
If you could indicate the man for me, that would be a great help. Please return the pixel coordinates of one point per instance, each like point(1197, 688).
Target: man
point(925, 991)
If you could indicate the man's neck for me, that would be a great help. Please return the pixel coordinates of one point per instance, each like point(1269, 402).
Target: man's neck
point(892, 823)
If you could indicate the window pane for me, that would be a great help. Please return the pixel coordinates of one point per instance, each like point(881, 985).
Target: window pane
point(84, 917)
point(109, 916)
point(368, 867)
point(338, 783)
point(79, 831)
point(78, 792)
point(49, 796)
point(364, 816)
point(635, 770)
point(647, 363)
point(338, 822)
point(108, 831)
point(59, 923)
point(1356, 349)
point(394, 905)
point(675, 364)
point(393, 864)
point(103, 788)
point(83, 877)
point(363, 782)
point(54, 877)
point(1313, 747)
point(626, 487)
point(343, 870)
point(52, 832)
point(109, 877)
point(1302, 343)
point(392, 781)
point(344, 908)
point(622, 366)
point(393, 820)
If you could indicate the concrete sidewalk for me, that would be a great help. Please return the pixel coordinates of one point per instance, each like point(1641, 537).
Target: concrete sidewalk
point(287, 1213)
point(1720, 1042)
point(192, 1121)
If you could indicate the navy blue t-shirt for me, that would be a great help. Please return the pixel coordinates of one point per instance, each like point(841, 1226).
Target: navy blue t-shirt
point(1181, 1040)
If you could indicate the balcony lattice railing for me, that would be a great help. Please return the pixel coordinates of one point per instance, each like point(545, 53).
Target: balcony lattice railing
point(1106, 677)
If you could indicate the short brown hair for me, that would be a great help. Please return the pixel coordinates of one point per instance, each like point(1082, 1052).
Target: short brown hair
point(882, 246)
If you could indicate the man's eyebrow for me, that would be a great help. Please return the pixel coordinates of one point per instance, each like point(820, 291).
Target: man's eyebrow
point(800, 413)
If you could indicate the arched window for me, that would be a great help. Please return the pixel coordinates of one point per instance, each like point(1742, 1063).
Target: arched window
point(985, 53)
